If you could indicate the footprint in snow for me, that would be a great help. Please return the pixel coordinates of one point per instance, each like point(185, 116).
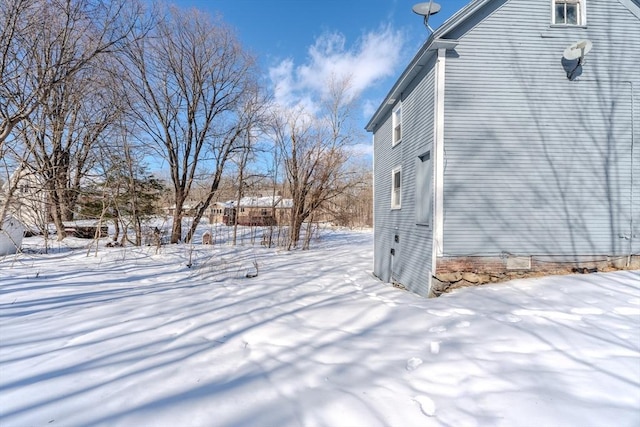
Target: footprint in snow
point(464, 311)
point(437, 329)
point(627, 311)
point(587, 310)
point(506, 318)
point(427, 406)
point(463, 324)
point(384, 300)
point(413, 363)
point(439, 313)
point(350, 280)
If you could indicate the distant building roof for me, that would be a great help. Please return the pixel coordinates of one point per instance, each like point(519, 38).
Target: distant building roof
point(261, 202)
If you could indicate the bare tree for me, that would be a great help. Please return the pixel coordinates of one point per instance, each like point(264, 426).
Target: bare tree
point(189, 79)
point(44, 43)
point(48, 48)
point(354, 207)
point(241, 161)
point(315, 151)
point(129, 193)
point(62, 134)
point(248, 119)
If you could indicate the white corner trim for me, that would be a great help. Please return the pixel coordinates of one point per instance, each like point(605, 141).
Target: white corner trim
point(438, 170)
point(632, 8)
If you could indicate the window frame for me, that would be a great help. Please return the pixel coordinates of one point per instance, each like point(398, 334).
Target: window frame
point(424, 190)
point(396, 190)
point(581, 15)
point(396, 123)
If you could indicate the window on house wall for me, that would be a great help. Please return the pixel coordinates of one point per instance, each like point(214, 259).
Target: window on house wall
point(569, 12)
point(397, 124)
point(424, 189)
point(396, 188)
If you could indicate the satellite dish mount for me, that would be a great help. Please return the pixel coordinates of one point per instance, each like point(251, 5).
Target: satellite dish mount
point(573, 57)
point(425, 10)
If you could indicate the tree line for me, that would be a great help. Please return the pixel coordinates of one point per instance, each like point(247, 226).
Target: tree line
point(92, 91)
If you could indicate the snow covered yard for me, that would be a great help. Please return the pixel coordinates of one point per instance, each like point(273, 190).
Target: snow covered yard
point(134, 338)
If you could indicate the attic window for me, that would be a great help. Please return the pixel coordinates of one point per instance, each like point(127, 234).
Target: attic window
point(397, 125)
point(569, 12)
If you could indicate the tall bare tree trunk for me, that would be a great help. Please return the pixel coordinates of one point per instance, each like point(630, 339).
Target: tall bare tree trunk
point(56, 211)
point(183, 80)
point(178, 214)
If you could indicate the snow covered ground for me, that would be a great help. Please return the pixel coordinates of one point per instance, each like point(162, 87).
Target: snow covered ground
point(129, 337)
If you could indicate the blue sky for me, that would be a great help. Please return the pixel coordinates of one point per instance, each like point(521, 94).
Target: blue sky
point(297, 42)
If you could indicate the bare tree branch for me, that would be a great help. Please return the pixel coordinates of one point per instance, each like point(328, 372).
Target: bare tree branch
point(189, 81)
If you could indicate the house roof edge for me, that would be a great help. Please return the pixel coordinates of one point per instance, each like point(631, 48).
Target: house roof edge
point(633, 6)
point(434, 42)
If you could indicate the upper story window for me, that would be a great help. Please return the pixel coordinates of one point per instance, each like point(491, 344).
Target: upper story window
point(397, 125)
point(396, 188)
point(569, 12)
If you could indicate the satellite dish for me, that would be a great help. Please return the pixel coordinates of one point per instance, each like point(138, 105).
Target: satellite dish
point(573, 58)
point(577, 50)
point(426, 9)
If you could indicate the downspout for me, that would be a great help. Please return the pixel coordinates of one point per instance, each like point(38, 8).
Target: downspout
point(438, 170)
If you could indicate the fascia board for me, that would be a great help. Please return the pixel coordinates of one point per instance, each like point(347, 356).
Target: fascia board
point(428, 49)
point(633, 6)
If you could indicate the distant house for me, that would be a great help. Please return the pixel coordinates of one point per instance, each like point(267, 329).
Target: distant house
point(257, 211)
point(216, 212)
point(28, 203)
point(187, 209)
point(497, 154)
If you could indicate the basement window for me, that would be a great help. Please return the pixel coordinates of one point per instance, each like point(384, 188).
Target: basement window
point(568, 12)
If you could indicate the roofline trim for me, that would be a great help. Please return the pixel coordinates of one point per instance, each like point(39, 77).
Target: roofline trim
point(633, 8)
point(433, 43)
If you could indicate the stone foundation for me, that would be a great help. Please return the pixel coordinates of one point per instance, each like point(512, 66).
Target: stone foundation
point(457, 272)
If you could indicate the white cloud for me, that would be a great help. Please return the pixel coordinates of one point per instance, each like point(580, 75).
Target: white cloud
point(373, 57)
point(369, 108)
point(363, 150)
